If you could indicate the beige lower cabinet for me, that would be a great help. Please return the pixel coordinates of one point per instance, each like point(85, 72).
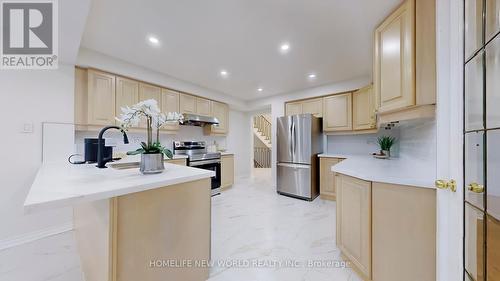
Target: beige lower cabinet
point(127, 238)
point(404, 233)
point(327, 177)
point(354, 236)
point(387, 231)
point(227, 170)
point(363, 109)
point(337, 113)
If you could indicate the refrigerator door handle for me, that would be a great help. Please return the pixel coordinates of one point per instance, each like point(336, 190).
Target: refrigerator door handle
point(294, 141)
point(290, 138)
point(295, 166)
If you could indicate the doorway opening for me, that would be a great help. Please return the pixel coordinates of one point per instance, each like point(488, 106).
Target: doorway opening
point(262, 144)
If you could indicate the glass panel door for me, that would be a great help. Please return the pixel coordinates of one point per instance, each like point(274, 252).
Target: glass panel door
point(482, 140)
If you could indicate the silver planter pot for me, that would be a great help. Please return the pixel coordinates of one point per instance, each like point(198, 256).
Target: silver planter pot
point(152, 163)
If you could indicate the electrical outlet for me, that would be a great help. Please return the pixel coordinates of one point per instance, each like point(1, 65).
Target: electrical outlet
point(27, 128)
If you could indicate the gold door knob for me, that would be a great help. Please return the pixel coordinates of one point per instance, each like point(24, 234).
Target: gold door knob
point(476, 188)
point(442, 184)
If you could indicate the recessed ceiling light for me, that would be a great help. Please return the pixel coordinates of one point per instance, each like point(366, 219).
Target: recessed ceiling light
point(224, 73)
point(153, 40)
point(260, 90)
point(311, 76)
point(285, 47)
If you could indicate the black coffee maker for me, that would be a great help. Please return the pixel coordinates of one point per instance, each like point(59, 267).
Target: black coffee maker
point(90, 154)
point(91, 151)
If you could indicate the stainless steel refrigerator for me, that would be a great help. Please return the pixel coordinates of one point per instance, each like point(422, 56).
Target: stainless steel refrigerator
point(299, 141)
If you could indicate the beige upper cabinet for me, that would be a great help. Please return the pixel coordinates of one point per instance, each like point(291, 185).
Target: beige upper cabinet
point(127, 93)
point(221, 112)
point(394, 59)
point(146, 92)
point(293, 108)
point(405, 62)
point(203, 107)
point(170, 103)
point(101, 98)
point(364, 112)
point(187, 104)
point(354, 222)
point(313, 106)
point(337, 113)
point(81, 96)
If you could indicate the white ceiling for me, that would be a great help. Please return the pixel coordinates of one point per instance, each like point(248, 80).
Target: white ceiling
point(332, 38)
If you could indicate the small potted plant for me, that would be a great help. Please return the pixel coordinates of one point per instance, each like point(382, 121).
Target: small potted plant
point(152, 151)
point(385, 143)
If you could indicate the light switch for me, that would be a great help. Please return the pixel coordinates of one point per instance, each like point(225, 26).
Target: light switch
point(28, 128)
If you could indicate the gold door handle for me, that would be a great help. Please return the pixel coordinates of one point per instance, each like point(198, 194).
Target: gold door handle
point(442, 184)
point(476, 188)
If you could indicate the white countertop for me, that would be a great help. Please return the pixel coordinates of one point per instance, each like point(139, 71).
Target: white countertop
point(394, 170)
point(62, 184)
point(137, 159)
point(226, 153)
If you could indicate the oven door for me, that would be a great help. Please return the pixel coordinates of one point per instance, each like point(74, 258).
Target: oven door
point(212, 165)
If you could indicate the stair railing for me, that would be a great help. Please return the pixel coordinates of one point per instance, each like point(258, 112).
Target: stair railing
point(262, 157)
point(263, 126)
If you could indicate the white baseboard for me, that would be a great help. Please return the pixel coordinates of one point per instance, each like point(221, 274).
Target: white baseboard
point(35, 235)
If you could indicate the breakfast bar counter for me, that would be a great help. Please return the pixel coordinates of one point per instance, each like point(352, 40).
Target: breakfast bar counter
point(126, 223)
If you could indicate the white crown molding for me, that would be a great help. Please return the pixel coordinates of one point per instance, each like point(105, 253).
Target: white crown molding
point(35, 235)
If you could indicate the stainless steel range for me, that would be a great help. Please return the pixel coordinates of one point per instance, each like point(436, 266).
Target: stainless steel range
point(198, 157)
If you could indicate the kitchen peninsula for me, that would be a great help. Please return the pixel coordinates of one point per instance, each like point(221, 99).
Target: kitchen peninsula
point(126, 222)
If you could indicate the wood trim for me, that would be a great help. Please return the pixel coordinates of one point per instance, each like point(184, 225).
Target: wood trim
point(358, 132)
point(409, 113)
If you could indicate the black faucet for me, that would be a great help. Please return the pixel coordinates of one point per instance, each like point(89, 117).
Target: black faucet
point(101, 162)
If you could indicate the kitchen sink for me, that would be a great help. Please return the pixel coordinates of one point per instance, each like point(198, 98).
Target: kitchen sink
point(125, 166)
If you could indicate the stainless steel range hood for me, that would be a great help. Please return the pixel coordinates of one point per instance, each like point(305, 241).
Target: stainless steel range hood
point(198, 120)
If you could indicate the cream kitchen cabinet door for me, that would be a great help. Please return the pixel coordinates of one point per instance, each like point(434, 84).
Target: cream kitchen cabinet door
point(394, 69)
point(364, 112)
point(146, 92)
point(327, 188)
point(354, 234)
point(170, 103)
point(221, 112)
point(313, 106)
point(101, 98)
point(227, 170)
point(337, 113)
point(203, 107)
point(187, 104)
point(127, 93)
point(293, 108)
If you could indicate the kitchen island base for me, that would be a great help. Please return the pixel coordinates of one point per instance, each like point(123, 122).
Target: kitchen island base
point(158, 234)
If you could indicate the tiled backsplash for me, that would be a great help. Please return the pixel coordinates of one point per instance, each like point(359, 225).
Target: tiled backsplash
point(114, 138)
point(416, 140)
point(361, 144)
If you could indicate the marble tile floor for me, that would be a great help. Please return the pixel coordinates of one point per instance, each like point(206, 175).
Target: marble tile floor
point(253, 230)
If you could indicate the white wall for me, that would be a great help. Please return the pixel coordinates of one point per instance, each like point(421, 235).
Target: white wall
point(277, 104)
point(29, 96)
point(90, 58)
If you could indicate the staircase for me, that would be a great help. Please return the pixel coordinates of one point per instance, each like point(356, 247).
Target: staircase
point(262, 144)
